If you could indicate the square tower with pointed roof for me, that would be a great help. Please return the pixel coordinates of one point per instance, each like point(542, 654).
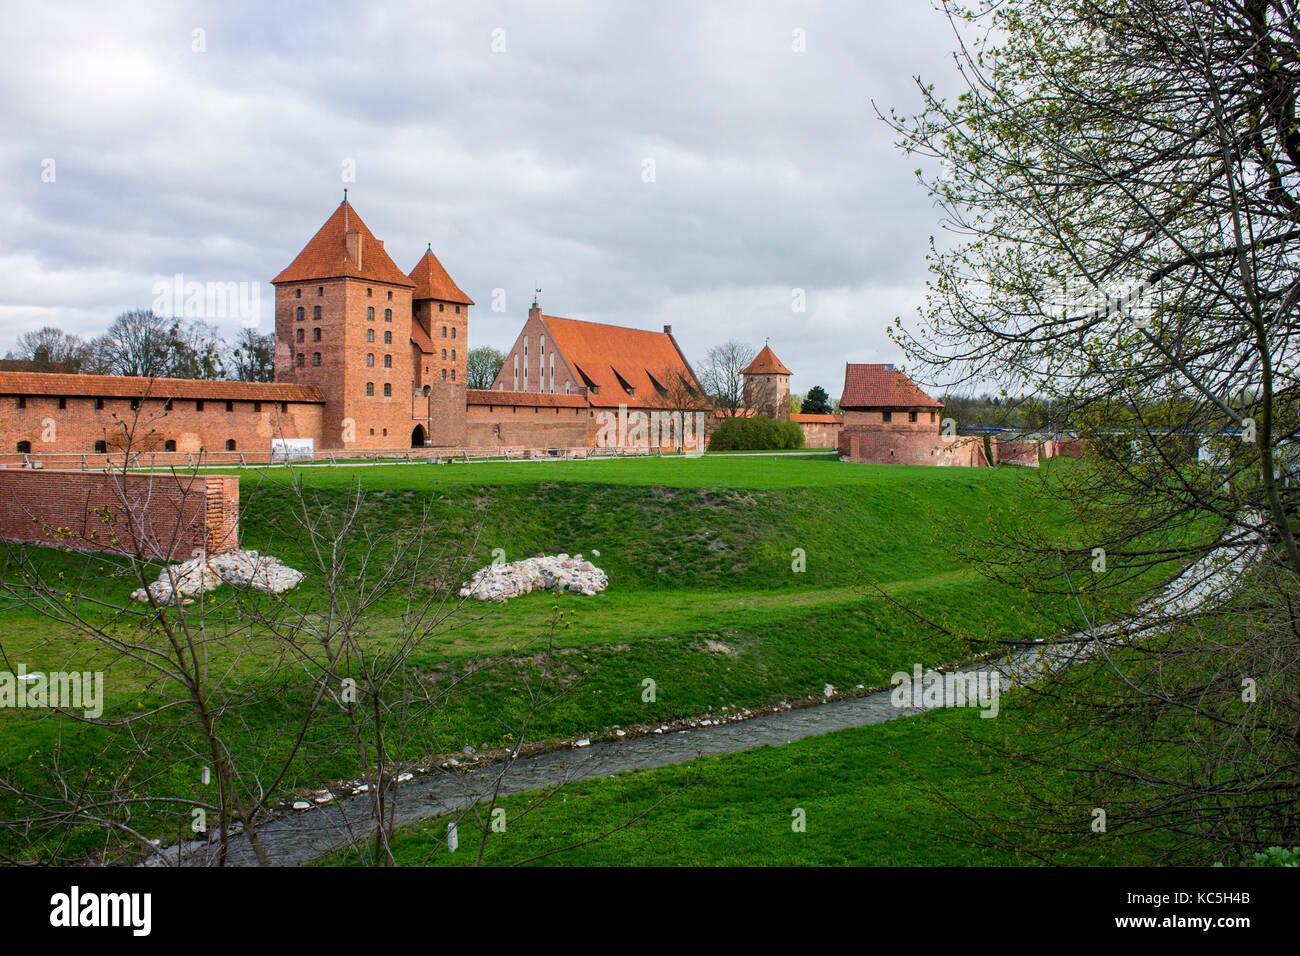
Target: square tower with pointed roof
point(767, 385)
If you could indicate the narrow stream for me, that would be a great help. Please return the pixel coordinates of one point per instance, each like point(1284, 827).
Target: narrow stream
point(300, 837)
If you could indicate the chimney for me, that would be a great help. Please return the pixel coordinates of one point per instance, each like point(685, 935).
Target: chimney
point(536, 311)
point(354, 248)
point(668, 330)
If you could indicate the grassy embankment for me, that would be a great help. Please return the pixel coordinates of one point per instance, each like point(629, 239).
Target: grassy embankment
point(703, 598)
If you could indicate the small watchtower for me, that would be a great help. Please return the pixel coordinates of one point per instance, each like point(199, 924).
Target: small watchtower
point(767, 386)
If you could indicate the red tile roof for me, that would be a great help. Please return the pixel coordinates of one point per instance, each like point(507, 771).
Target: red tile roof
point(766, 363)
point(125, 386)
point(326, 255)
point(816, 419)
point(432, 281)
point(487, 396)
point(601, 355)
point(420, 338)
point(882, 386)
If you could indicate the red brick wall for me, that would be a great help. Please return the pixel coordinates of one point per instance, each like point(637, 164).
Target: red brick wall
point(821, 434)
point(928, 420)
point(506, 426)
point(454, 341)
point(75, 428)
point(908, 447)
point(153, 516)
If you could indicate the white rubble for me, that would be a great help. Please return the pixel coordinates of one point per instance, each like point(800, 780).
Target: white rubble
point(559, 572)
point(182, 582)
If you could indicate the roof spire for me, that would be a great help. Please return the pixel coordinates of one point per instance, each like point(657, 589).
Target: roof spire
point(536, 293)
point(430, 249)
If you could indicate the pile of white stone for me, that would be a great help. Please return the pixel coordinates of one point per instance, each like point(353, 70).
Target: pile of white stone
point(181, 583)
point(558, 572)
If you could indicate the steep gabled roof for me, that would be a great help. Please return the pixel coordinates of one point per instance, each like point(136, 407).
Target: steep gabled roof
point(610, 356)
point(127, 386)
point(326, 255)
point(766, 363)
point(882, 386)
point(432, 281)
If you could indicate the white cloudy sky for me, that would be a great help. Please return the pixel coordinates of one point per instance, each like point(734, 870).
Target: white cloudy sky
point(523, 167)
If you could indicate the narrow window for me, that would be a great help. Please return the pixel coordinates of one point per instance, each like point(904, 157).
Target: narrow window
point(25, 447)
point(315, 335)
point(370, 335)
point(167, 405)
point(388, 389)
point(302, 336)
point(297, 293)
point(444, 331)
point(453, 331)
point(441, 307)
point(388, 338)
point(230, 444)
point(198, 405)
point(388, 315)
point(169, 445)
point(63, 402)
point(886, 416)
point(315, 313)
point(230, 406)
point(453, 375)
point(370, 313)
point(369, 292)
point(453, 355)
point(390, 295)
point(302, 360)
point(22, 401)
point(315, 358)
point(388, 361)
point(99, 404)
point(444, 375)
point(370, 388)
point(257, 408)
point(911, 416)
point(101, 447)
point(284, 408)
point(300, 314)
point(370, 359)
point(444, 355)
point(320, 290)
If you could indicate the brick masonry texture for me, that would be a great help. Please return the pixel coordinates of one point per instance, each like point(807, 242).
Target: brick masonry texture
point(153, 516)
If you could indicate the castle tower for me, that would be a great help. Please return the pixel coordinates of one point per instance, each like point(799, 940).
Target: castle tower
point(439, 343)
point(343, 322)
point(767, 386)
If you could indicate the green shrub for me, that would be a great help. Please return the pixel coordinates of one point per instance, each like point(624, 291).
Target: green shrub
point(757, 433)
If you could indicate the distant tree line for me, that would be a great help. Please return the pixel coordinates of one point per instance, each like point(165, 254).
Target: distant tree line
point(144, 343)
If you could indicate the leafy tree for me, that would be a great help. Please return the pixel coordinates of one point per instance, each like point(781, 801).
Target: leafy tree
point(721, 375)
point(1122, 182)
point(755, 433)
point(816, 402)
point(50, 350)
point(253, 357)
point(482, 365)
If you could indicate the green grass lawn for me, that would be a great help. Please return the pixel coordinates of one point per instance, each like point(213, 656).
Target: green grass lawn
point(703, 596)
